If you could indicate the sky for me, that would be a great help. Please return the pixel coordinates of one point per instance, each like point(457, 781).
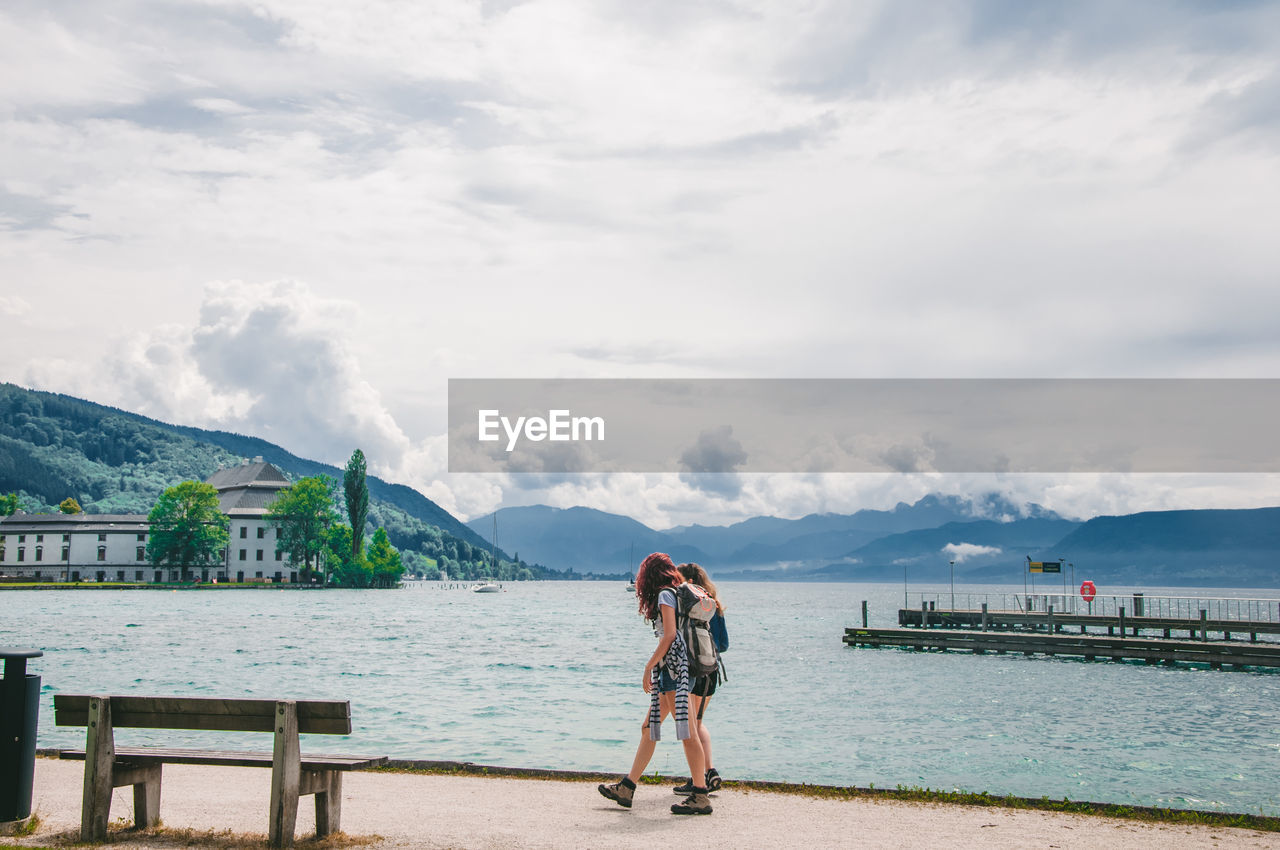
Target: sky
point(298, 219)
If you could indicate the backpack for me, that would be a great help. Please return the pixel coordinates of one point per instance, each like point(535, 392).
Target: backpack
point(694, 610)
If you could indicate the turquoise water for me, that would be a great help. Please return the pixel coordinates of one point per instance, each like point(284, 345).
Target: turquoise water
point(547, 674)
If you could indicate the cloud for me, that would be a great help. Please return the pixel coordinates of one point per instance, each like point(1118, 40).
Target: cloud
point(14, 305)
point(715, 450)
point(961, 552)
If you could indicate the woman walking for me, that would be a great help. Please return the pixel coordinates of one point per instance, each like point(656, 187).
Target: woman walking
point(666, 680)
point(705, 686)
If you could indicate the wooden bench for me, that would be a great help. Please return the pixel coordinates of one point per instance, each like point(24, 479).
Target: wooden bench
point(292, 774)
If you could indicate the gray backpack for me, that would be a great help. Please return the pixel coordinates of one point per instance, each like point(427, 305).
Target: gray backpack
point(694, 610)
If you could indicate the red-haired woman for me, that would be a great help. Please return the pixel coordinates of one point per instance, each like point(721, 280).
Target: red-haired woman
point(666, 680)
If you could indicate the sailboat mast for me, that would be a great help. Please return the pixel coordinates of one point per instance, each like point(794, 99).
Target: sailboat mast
point(493, 553)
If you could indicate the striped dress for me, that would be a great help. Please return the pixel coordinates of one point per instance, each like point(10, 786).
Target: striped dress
point(676, 662)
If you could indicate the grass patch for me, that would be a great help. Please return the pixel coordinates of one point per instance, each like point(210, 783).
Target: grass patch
point(163, 836)
point(902, 793)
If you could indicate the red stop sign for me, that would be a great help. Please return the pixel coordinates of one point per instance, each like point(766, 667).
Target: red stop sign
point(1087, 591)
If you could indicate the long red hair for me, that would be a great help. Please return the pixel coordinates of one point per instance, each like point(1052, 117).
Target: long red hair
point(657, 572)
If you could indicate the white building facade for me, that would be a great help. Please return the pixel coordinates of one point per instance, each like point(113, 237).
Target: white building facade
point(113, 547)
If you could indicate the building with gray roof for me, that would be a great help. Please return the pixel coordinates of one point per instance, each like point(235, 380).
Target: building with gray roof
point(112, 547)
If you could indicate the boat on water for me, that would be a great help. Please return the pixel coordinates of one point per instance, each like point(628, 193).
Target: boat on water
point(488, 585)
point(631, 585)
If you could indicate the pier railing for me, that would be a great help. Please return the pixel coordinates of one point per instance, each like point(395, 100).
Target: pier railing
point(1134, 605)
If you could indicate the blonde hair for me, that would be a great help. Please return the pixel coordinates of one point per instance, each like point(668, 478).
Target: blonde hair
point(697, 575)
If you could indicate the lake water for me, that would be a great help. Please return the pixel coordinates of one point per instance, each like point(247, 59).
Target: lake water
point(546, 674)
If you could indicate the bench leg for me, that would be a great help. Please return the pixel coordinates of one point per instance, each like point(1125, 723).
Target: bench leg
point(329, 804)
point(99, 765)
point(286, 773)
point(146, 795)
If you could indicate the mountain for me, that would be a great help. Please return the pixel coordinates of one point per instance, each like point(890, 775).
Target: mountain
point(582, 539)
point(762, 541)
point(591, 540)
point(112, 461)
point(1238, 548)
point(980, 549)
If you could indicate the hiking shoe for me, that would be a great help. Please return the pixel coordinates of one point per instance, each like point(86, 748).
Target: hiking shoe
point(696, 803)
point(713, 784)
point(619, 793)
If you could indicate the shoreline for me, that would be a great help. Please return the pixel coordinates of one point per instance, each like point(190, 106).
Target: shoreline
point(430, 804)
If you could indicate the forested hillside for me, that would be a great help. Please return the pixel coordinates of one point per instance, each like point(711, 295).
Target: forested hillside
point(111, 461)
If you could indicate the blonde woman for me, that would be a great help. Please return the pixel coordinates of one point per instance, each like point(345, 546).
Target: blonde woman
point(704, 686)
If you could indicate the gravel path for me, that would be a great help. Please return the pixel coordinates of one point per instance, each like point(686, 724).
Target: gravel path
point(227, 807)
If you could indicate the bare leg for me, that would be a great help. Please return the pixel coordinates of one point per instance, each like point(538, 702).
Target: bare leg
point(697, 704)
point(692, 745)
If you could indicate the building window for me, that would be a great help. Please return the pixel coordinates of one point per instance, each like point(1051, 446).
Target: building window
point(137, 576)
point(244, 531)
point(258, 574)
point(22, 553)
point(277, 532)
point(1, 553)
point(119, 575)
point(66, 538)
point(279, 555)
point(262, 532)
point(102, 538)
point(102, 553)
point(142, 553)
point(39, 538)
point(39, 553)
point(243, 554)
point(66, 553)
point(142, 538)
point(39, 575)
point(259, 554)
point(22, 538)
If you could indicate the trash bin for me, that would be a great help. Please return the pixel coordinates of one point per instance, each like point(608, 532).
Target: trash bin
point(19, 712)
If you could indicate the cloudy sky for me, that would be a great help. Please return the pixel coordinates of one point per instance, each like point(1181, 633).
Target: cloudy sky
point(299, 218)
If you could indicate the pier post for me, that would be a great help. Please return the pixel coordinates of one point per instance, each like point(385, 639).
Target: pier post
point(864, 613)
point(1204, 624)
point(984, 616)
point(1048, 621)
point(924, 615)
point(1121, 621)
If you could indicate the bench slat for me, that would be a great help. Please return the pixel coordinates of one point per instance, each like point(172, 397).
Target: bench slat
point(232, 758)
point(322, 717)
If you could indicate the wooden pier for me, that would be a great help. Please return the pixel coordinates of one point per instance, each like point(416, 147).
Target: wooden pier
point(1216, 654)
point(1051, 622)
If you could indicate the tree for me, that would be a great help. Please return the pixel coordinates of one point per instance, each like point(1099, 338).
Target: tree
point(188, 528)
point(345, 569)
point(8, 504)
point(70, 506)
point(357, 493)
point(303, 512)
point(385, 560)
